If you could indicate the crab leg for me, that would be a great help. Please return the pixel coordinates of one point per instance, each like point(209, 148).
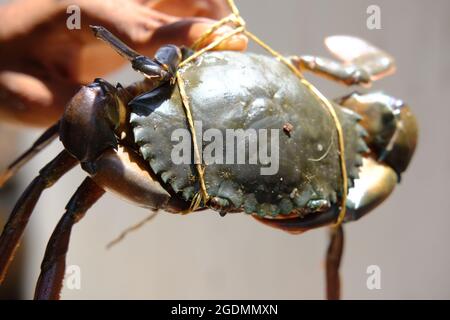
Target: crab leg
point(14, 228)
point(118, 45)
point(333, 70)
point(333, 261)
point(53, 266)
point(161, 68)
point(360, 62)
point(44, 140)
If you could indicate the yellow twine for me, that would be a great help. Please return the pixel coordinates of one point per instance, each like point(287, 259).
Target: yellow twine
point(200, 169)
point(196, 201)
point(214, 27)
point(211, 46)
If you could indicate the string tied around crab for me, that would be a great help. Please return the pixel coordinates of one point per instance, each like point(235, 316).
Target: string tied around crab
point(239, 27)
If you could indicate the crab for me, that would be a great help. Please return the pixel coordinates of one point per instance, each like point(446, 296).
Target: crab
point(123, 138)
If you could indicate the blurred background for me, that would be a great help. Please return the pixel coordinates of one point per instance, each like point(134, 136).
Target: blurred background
point(204, 256)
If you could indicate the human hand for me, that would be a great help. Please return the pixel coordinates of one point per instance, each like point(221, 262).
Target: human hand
point(42, 63)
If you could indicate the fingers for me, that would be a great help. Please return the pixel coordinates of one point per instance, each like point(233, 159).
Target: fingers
point(148, 20)
point(28, 100)
point(159, 16)
point(144, 25)
point(187, 31)
point(237, 42)
point(133, 21)
point(214, 9)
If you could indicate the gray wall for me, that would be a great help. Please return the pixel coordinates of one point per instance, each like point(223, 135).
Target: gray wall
point(206, 256)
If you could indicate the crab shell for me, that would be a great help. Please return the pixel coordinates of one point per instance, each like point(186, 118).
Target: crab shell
point(231, 90)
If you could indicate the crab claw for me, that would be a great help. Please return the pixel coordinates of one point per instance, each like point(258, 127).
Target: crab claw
point(376, 182)
point(377, 63)
point(392, 129)
point(90, 116)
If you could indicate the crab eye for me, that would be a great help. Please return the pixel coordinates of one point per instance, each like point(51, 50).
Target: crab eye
point(149, 68)
point(169, 56)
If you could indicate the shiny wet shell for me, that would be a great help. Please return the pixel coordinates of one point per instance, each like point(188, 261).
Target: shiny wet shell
point(230, 90)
